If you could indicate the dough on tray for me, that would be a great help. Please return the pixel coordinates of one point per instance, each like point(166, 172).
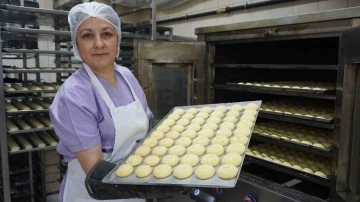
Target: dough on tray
point(218, 114)
point(179, 112)
point(23, 125)
point(227, 171)
point(158, 135)
point(33, 122)
point(216, 149)
point(232, 158)
point(183, 122)
point(159, 150)
point(19, 105)
point(236, 107)
point(196, 149)
point(242, 131)
point(228, 125)
point(204, 141)
point(212, 126)
point(236, 148)
point(134, 160)
point(198, 120)
point(221, 108)
point(12, 145)
point(46, 121)
point(203, 115)
point(204, 172)
point(10, 126)
point(10, 107)
point(252, 106)
point(190, 159)
point(124, 170)
point(166, 142)
point(170, 160)
point(206, 109)
point(174, 117)
point(210, 159)
point(162, 171)
point(183, 171)
point(184, 141)
point(188, 116)
point(230, 118)
point(221, 140)
point(189, 133)
point(143, 150)
point(47, 138)
point(177, 150)
point(143, 171)
point(239, 139)
point(152, 160)
point(169, 122)
point(32, 105)
point(192, 111)
point(234, 113)
point(179, 128)
point(151, 142)
point(213, 119)
point(206, 133)
point(194, 126)
point(24, 143)
point(173, 134)
point(224, 132)
point(163, 128)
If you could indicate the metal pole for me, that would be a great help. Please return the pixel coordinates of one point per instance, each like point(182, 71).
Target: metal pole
point(3, 137)
point(153, 20)
point(31, 177)
point(43, 182)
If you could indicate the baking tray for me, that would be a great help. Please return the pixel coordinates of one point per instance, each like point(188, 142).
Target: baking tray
point(296, 116)
point(192, 181)
point(284, 89)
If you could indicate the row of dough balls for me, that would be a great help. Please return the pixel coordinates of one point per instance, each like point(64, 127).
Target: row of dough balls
point(25, 104)
point(290, 128)
point(298, 160)
point(31, 140)
point(294, 108)
point(184, 170)
point(293, 85)
point(27, 123)
point(32, 86)
point(307, 138)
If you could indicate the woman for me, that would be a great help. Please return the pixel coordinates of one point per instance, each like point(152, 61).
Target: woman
point(100, 112)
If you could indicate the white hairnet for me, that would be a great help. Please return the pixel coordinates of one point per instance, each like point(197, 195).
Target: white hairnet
point(79, 13)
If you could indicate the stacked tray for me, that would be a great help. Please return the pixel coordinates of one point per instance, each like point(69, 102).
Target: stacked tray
point(31, 87)
point(26, 105)
point(304, 162)
point(298, 134)
point(27, 123)
point(317, 111)
point(315, 87)
point(193, 143)
point(30, 141)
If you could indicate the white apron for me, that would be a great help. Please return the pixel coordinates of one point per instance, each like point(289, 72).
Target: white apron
point(131, 124)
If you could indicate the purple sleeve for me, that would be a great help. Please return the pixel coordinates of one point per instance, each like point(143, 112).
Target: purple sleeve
point(139, 92)
point(74, 121)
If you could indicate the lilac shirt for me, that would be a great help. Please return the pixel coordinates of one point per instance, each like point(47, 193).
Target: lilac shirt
point(82, 119)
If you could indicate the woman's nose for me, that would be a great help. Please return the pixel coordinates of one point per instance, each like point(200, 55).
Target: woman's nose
point(99, 42)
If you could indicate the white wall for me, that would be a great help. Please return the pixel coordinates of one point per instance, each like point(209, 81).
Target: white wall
point(187, 27)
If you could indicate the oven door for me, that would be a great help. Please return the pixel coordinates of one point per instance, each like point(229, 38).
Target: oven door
point(348, 175)
point(171, 74)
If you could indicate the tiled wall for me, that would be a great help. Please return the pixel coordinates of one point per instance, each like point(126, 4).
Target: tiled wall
point(186, 27)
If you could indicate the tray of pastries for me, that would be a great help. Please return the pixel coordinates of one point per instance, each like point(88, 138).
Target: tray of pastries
point(31, 87)
point(202, 146)
point(304, 162)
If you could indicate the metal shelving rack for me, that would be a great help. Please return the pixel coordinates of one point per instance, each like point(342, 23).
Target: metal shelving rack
point(27, 15)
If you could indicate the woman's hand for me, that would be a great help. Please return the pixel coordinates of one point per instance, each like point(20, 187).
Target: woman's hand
point(88, 158)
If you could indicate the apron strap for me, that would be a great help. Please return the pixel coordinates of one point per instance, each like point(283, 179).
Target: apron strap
point(132, 90)
point(99, 87)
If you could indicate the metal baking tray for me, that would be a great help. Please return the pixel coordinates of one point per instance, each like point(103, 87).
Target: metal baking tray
point(192, 181)
point(297, 116)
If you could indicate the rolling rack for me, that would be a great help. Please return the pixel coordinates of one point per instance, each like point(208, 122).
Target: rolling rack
point(25, 160)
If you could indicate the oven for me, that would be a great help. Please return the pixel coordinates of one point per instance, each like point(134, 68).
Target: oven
point(305, 145)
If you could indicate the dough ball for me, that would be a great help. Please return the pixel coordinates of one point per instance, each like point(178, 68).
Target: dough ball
point(134, 160)
point(306, 142)
point(190, 159)
point(184, 141)
point(213, 119)
point(177, 150)
point(124, 170)
point(196, 149)
point(297, 167)
point(192, 111)
point(319, 145)
point(194, 126)
point(221, 140)
point(204, 172)
point(206, 133)
point(236, 148)
point(286, 164)
point(248, 118)
point(241, 125)
point(252, 106)
point(228, 125)
point(236, 107)
point(178, 128)
point(227, 171)
point(203, 115)
point(239, 139)
point(163, 128)
point(151, 142)
point(232, 158)
point(152, 160)
point(143, 171)
point(143, 150)
point(250, 112)
point(212, 126)
point(221, 108)
point(189, 133)
point(173, 134)
point(183, 171)
point(169, 122)
point(250, 153)
point(204, 141)
point(162, 171)
point(179, 112)
point(232, 119)
point(188, 116)
point(206, 110)
point(174, 117)
point(243, 131)
point(308, 170)
point(224, 132)
point(234, 113)
point(170, 160)
point(216, 149)
point(166, 142)
point(183, 122)
point(198, 120)
point(218, 114)
point(277, 161)
point(157, 135)
point(247, 123)
point(320, 174)
point(210, 159)
point(159, 150)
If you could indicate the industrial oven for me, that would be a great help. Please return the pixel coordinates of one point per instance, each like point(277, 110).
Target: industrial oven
point(304, 69)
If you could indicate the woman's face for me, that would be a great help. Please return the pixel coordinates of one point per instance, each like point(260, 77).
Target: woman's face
point(97, 42)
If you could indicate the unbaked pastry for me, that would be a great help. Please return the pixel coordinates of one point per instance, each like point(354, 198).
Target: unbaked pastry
point(134, 160)
point(206, 133)
point(189, 133)
point(236, 107)
point(163, 128)
point(124, 170)
point(179, 128)
point(204, 141)
point(196, 149)
point(177, 150)
point(143, 171)
point(192, 111)
point(188, 116)
point(221, 108)
point(206, 109)
point(174, 117)
point(12, 145)
point(183, 171)
point(211, 159)
point(190, 159)
point(221, 140)
point(239, 139)
point(213, 119)
point(198, 120)
point(204, 172)
point(203, 115)
point(232, 119)
point(228, 125)
point(170, 160)
point(216, 149)
point(151, 142)
point(169, 122)
point(152, 160)
point(210, 125)
point(217, 114)
point(234, 113)
point(173, 134)
point(232, 158)
point(183, 122)
point(252, 106)
point(236, 148)
point(179, 112)
point(159, 150)
point(224, 132)
point(242, 132)
point(194, 126)
point(166, 142)
point(158, 135)
point(184, 141)
point(227, 171)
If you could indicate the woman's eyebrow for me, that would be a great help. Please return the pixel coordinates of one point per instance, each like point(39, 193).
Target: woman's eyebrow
point(85, 29)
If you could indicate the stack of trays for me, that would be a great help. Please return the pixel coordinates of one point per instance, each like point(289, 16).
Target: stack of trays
point(201, 146)
point(293, 85)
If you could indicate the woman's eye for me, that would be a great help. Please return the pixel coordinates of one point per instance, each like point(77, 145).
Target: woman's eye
point(107, 34)
point(86, 36)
